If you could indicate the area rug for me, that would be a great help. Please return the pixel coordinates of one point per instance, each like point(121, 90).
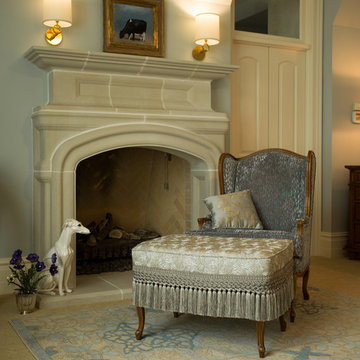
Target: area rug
point(326, 326)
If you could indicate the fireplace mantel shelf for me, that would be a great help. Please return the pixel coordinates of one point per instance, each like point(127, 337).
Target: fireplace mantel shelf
point(49, 59)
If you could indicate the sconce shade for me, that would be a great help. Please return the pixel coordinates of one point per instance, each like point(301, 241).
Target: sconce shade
point(57, 12)
point(207, 28)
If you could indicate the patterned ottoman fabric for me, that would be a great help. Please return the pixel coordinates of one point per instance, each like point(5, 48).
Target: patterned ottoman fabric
point(214, 276)
point(214, 254)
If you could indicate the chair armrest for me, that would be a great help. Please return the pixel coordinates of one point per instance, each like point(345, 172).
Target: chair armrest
point(301, 223)
point(304, 234)
point(202, 221)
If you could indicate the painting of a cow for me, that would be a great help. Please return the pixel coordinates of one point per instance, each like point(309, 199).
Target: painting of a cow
point(134, 29)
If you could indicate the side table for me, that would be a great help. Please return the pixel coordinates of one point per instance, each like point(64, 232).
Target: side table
point(353, 243)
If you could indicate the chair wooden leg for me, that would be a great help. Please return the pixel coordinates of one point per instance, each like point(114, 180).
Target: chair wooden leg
point(305, 284)
point(292, 312)
point(141, 316)
point(282, 323)
point(260, 327)
point(292, 306)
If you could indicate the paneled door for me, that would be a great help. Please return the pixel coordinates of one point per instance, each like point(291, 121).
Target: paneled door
point(268, 99)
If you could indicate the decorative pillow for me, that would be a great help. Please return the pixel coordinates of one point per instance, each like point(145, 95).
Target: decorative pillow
point(234, 210)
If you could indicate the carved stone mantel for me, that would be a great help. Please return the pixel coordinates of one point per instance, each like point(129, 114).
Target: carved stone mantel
point(49, 59)
point(103, 101)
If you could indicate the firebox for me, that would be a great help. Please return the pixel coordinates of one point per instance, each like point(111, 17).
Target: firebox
point(126, 196)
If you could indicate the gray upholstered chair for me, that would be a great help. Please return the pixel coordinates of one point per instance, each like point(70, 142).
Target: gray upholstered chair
point(281, 185)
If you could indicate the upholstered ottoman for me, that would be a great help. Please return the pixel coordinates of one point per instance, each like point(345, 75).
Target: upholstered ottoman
point(215, 276)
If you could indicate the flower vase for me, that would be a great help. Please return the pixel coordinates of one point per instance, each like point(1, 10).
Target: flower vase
point(25, 303)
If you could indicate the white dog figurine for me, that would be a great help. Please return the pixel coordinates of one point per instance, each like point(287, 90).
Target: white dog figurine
point(64, 256)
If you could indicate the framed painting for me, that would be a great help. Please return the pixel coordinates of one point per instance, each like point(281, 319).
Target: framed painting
point(134, 27)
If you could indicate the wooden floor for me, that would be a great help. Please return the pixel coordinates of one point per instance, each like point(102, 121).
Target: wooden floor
point(341, 275)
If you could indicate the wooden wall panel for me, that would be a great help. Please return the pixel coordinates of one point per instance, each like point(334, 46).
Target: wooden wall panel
point(249, 113)
point(286, 99)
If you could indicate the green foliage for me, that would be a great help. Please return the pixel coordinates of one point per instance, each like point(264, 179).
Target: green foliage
point(26, 280)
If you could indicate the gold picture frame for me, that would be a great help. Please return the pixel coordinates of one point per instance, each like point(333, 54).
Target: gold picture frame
point(134, 27)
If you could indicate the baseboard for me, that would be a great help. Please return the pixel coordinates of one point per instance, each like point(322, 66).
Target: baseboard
point(4, 273)
point(332, 245)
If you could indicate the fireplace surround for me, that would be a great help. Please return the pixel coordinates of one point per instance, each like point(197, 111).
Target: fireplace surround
point(102, 101)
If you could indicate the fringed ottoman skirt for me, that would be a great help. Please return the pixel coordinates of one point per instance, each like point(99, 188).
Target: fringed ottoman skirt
point(214, 276)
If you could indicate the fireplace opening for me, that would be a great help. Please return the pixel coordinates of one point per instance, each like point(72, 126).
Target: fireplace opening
point(126, 196)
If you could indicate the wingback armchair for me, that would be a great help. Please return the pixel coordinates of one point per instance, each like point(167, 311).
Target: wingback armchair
point(281, 185)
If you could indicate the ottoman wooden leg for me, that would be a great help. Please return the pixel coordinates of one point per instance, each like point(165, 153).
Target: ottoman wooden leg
point(141, 316)
point(260, 327)
point(282, 323)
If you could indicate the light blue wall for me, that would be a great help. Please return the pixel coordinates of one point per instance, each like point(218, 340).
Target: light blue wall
point(23, 86)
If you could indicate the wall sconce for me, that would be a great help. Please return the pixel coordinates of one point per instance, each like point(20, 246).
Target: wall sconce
point(56, 14)
point(355, 114)
point(207, 34)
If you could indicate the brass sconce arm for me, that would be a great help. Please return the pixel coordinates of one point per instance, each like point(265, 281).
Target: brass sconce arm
point(200, 51)
point(54, 35)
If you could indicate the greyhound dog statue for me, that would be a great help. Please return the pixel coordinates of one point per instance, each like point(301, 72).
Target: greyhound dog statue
point(64, 256)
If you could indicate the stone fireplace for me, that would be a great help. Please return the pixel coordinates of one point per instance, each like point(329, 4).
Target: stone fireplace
point(98, 102)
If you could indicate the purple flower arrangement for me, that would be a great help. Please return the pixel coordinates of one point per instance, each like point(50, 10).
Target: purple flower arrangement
point(25, 277)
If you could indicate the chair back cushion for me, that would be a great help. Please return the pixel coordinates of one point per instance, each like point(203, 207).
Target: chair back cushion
point(277, 180)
